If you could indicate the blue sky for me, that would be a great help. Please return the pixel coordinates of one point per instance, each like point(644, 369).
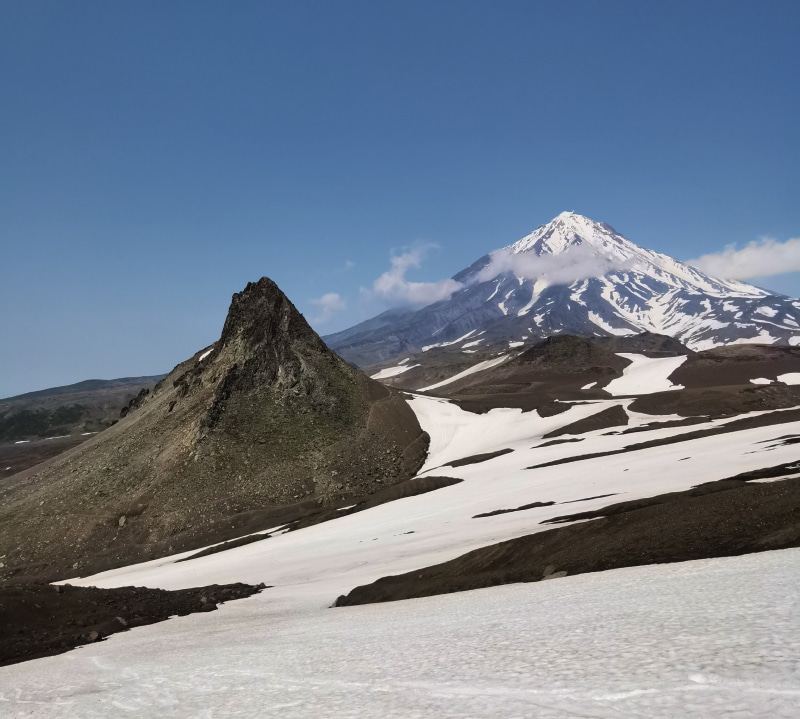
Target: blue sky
point(155, 157)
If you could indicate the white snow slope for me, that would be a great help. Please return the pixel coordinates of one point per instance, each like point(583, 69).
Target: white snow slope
point(714, 638)
point(479, 367)
point(393, 371)
point(645, 375)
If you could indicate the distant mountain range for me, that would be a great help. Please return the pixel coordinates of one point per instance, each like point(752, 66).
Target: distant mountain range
point(574, 275)
point(88, 385)
point(83, 407)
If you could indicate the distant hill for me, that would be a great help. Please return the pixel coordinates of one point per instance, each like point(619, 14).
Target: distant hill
point(37, 426)
point(87, 385)
point(88, 406)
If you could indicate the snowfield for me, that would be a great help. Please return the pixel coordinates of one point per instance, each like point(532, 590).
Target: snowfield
point(467, 372)
point(715, 638)
point(645, 375)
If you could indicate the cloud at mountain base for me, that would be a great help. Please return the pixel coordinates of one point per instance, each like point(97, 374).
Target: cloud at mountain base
point(761, 258)
point(576, 263)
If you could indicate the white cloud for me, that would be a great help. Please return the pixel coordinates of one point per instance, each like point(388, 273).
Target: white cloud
point(328, 305)
point(761, 258)
point(575, 263)
point(393, 287)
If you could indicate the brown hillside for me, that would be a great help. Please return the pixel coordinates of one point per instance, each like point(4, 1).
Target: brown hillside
point(268, 425)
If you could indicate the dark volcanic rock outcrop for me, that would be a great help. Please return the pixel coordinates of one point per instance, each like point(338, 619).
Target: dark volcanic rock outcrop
point(260, 427)
point(39, 620)
point(553, 369)
point(649, 343)
point(569, 354)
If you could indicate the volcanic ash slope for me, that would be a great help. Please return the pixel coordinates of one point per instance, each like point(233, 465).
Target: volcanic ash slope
point(264, 426)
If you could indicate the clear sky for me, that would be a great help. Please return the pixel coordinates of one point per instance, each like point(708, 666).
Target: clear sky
point(157, 156)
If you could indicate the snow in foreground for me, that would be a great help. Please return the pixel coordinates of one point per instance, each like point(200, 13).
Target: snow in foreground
point(316, 564)
point(709, 638)
point(713, 638)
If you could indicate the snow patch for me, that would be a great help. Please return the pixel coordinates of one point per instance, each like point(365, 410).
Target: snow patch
point(467, 372)
point(393, 371)
point(602, 324)
point(762, 338)
point(539, 286)
point(447, 344)
point(645, 375)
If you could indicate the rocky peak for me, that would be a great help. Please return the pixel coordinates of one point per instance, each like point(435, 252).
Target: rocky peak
point(262, 428)
point(261, 315)
point(268, 349)
point(563, 232)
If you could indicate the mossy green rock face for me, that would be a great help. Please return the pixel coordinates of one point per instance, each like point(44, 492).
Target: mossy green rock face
point(266, 426)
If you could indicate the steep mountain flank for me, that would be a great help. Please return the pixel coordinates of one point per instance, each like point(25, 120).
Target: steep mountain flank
point(264, 426)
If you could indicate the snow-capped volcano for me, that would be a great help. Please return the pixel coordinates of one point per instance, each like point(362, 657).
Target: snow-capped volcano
point(579, 276)
point(570, 231)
